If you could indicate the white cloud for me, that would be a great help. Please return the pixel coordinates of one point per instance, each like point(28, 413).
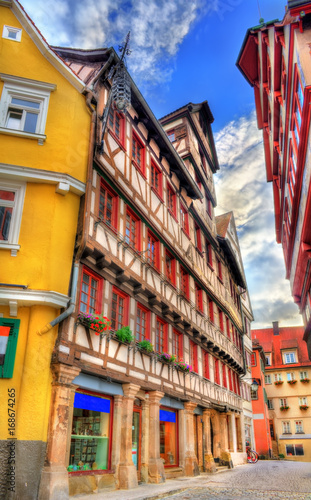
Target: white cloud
point(241, 186)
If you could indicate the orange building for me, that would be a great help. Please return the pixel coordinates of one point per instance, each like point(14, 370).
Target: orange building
point(263, 442)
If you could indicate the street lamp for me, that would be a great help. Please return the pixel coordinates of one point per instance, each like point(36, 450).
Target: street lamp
point(256, 382)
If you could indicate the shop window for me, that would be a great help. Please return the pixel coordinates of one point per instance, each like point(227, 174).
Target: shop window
point(184, 283)
point(132, 229)
point(153, 254)
point(206, 365)
point(171, 200)
point(198, 298)
point(198, 239)
point(209, 253)
point(294, 450)
point(108, 205)
point(286, 427)
point(156, 179)
point(91, 433)
point(177, 344)
point(170, 268)
point(116, 124)
point(193, 348)
point(90, 292)
point(119, 309)
point(11, 209)
point(24, 106)
point(168, 437)
point(184, 219)
point(138, 153)
point(9, 329)
point(142, 323)
point(161, 336)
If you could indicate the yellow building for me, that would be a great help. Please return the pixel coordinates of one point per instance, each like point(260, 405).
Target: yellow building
point(287, 382)
point(44, 138)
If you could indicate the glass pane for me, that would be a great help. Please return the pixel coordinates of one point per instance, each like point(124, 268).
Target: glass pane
point(31, 122)
point(24, 103)
point(7, 195)
point(135, 439)
point(14, 120)
point(299, 449)
point(5, 221)
point(168, 437)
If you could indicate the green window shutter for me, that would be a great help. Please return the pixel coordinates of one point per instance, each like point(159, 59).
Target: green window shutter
point(265, 396)
point(6, 370)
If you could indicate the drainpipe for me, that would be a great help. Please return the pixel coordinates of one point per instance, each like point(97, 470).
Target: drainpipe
point(88, 189)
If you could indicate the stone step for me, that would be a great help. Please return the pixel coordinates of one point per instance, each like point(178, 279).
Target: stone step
point(173, 472)
point(222, 468)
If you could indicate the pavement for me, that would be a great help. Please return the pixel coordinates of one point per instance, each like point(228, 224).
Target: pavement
point(266, 480)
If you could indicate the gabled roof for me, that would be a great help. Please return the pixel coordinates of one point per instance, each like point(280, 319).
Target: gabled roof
point(41, 43)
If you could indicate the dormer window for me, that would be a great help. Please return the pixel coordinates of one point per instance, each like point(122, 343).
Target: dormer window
point(289, 357)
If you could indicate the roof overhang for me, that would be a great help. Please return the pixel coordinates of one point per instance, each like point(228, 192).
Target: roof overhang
point(226, 246)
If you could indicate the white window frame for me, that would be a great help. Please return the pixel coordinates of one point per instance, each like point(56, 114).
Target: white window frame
point(19, 189)
point(290, 376)
point(298, 427)
point(283, 402)
point(268, 359)
point(268, 379)
point(25, 89)
point(286, 429)
point(303, 401)
point(290, 354)
point(278, 377)
point(270, 404)
point(10, 29)
point(303, 375)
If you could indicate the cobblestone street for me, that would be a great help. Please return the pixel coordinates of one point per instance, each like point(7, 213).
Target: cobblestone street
point(265, 480)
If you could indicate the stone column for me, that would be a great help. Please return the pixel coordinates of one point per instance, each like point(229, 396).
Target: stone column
point(156, 467)
point(144, 441)
point(230, 439)
point(190, 460)
point(54, 477)
point(127, 470)
point(225, 456)
point(116, 442)
point(234, 437)
point(242, 433)
point(209, 462)
point(216, 433)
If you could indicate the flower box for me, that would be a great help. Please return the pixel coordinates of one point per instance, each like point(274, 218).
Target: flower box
point(167, 358)
point(182, 366)
point(291, 382)
point(278, 382)
point(94, 321)
point(305, 380)
point(303, 407)
point(145, 346)
point(284, 408)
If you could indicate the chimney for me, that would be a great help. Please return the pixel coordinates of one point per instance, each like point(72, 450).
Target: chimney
point(275, 325)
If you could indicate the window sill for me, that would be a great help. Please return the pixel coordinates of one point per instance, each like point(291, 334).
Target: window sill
point(27, 135)
point(119, 141)
point(139, 169)
point(10, 246)
point(157, 194)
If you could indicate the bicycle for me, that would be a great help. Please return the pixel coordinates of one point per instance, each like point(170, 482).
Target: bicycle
point(252, 456)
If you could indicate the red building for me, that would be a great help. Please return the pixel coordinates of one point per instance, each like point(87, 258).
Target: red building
point(275, 60)
point(263, 443)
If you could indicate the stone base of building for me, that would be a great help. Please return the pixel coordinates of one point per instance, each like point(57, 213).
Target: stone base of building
point(191, 467)
point(156, 471)
point(225, 459)
point(127, 477)
point(54, 483)
point(95, 483)
point(209, 463)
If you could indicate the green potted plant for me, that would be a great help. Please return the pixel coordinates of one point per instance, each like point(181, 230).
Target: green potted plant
point(284, 408)
point(167, 358)
point(94, 321)
point(145, 345)
point(184, 367)
point(291, 382)
point(125, 335)
point(304, 380)
point(303, 407)
point(278, 382)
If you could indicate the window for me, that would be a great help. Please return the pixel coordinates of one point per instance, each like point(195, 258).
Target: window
point(142, 323)
point(206, 365)
point(108, 206)
point(283, 78)
point(211, 309)
point(294, 449)
point(184, 283)
point(278, 377)
point(298, 427)
point(219, 269)
point(177, 344)
point(184, 219)
point(90, 292)
point(216, 371)
point(221, 320)
point(119, 309)
point(156, 179)
point(286, 427)
point(23, 107)
point(268, 359)
point(9, 329)
point(290, 376)
point(303, 401)
point(138, 153)
point(303, 375)
point(208, 205)
point(270, 404)
point(198, 298)
point(171, 200)
point(91, 431)
point(153, 254)
point(116, 124)
point(289, 357)
point(11, 208)
point(171, 135)
point(283, 402)
point(168, 436)
point(267, 379)
point(297, 110)
point(132, 229)
point(161, 336)
point(12, 33)
point(230, 379)
point(197, 237)
point(170, 268)
point(253, 359)
point(228, 330)
point(209, 254)
point(224, 375)
point(193, 348)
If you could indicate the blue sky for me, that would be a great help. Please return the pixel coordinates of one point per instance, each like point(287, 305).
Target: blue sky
point(185, 51)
